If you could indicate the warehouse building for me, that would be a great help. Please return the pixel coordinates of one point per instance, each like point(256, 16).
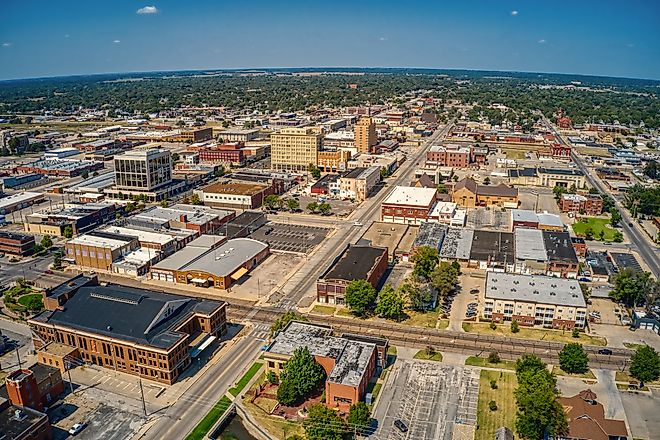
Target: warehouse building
point(212, 261)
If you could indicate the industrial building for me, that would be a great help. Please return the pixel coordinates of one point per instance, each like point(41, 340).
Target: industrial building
point(211, 261)
point(80, 217)
point(353, 263)
point(234, 194)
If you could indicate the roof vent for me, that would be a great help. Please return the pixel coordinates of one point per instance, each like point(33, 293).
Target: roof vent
point(553, 285)
point(516, 282)
point(109, 328)
point(572, 287)
point(532, 283)
point(553, 293)
point(536, 292)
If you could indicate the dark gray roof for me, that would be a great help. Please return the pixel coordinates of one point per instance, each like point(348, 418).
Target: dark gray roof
point(246, 218)
point(626, 261)
point(559, 246)
point(135, 315)
point(354, 263)
point(430, 234)
point(354, 173)
point(15, 428)
point(564, 171)
point(492, 246)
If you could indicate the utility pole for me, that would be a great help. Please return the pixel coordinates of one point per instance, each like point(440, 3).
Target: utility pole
point(144, 406)
point(18, 356)
point(68, 370)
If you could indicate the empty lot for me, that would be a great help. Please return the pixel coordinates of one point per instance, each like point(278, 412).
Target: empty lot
point(289, 237)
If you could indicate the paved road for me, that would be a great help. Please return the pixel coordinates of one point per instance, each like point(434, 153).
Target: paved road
point(647, 250)
point(299, 285)
point(195, 402)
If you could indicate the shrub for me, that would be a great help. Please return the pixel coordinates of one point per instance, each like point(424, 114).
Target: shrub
point(492, 405)
point(494, 358)
point(493, 384)
point(515, 328)
point(272, 378)
point(493, 326)
point(575, 333)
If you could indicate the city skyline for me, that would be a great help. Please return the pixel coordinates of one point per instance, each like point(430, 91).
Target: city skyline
point(589, 38)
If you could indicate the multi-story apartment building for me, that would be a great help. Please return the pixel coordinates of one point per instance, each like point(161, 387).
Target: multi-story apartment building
point(408, 204)
point(534, 300)
point(358, 183)
point(449, 156)
point(295, 148)
point(589, 204)
point(140, 332)
point(365, 135)
point(143, 170)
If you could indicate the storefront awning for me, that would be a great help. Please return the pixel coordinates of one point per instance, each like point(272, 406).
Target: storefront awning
point(238, 274)
point(198, 281)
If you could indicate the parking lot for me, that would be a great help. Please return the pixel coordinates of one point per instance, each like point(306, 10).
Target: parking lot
point(539, 199)
point(489, 218)
point(103, 421)
point(471, 287)
point(430, 398)
point(289, 237)
point(265, 277)
point(341, 208)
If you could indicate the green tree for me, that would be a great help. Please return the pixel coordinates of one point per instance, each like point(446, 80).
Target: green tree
point(359, 297)
point(559, 191)
point(293, 204)
point(46, 242)
point(415, 297)
point(68, 231)
point(645, 364)
point(57, 261)
point(84, 174)
point(632, 287)
point(589, 233)
point(324, 208)
point(390, 303)
point(515, 327)
point(314, 171)
point(283, 320)
point(271, 201)
point(487, 181)
point(195, 200)
point(573, 358)
point(164, 203)
point(175, 157)
point(615, 217)
point(425, 259)
point(323, 423)
point(34, 303)
point(312, 206)
point(359, 416)
point(444, 278)
point(601, 235)
point(301, 375)
point(539, 412)
point(617, 237)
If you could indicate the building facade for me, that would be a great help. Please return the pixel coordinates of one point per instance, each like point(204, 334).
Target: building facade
point(295, 148)
point(233, 194)
point(358, 183)
point(16, 244)
point(143, 170)
point(365, 135)
point(408, 205)
point(589, 204)
point(449, 156)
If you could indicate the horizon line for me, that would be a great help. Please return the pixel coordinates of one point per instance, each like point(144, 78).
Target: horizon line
point(241, 69)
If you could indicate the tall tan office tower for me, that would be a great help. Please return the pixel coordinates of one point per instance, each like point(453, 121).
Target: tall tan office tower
point(293, 149)
point(365, 135)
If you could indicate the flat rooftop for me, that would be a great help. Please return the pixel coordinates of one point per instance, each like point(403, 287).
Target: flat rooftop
point(19, 198)
point(142, 236)
point(387, 235)
point(430, 234)
point(457, 244)
point(534, 288)
point(492, 246)
point(559, 246)
point(221, 261)
point(98, 241)
point(136, 315)
point(355, 263)
point(13, 427)
point(529, 245)
point(411, 196)
point(237, 188)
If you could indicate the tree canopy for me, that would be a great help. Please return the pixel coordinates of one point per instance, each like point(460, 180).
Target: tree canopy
point(301, 375)
point(324, 424)
point(573, 359)
point(283, 320)
point(359, 416)
point(645, 364)
point(390, 303)
point(632, 287)
point(359, 296)
point(425, 259)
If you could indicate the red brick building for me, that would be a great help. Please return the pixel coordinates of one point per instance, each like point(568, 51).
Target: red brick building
point(408, 205)
point(16, 244)
point(226, 153)
point(588, 204)
point(449, 156)
point(354, 263)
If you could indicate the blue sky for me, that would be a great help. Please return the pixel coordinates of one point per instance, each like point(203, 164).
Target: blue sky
point(63, 37)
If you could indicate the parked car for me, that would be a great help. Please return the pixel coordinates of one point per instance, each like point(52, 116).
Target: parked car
point(606, 351)
point(75, 429)
point(473, 291)
point(401, 426)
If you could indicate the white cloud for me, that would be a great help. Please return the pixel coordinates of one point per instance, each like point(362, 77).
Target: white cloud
point(541, 41)
point(66, 35)
point(6, 44)
point(116, 41)
point(514, 13)
point(383, 39)
point(148, 10)
point(630, 44)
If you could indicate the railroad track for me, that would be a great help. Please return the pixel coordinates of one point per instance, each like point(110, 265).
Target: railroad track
point(464, 343)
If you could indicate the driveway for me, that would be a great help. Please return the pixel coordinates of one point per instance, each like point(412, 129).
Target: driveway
point(616, 335)
point(642, 410)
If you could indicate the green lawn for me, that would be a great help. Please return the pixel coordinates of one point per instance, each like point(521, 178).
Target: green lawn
point(514, 154)
point(428, 356)
point(209, 420)
point(559, 372)
point(533, 333)
point(489, 421)
point(25, 299)
point(476, 361)
point(632, 345)
point(597, 225)
point(425, 319)
point(323, 310)
point(624, 376)
point(235, 391)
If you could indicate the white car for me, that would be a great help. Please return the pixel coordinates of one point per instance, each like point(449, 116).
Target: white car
point(75, 429)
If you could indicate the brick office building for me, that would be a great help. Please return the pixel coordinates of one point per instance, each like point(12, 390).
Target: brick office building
point(408, 205)
point(135, 331)
point(16, 244)
point(225, 153)
point(354, 263)
point(449, 156)
point(589, 204)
